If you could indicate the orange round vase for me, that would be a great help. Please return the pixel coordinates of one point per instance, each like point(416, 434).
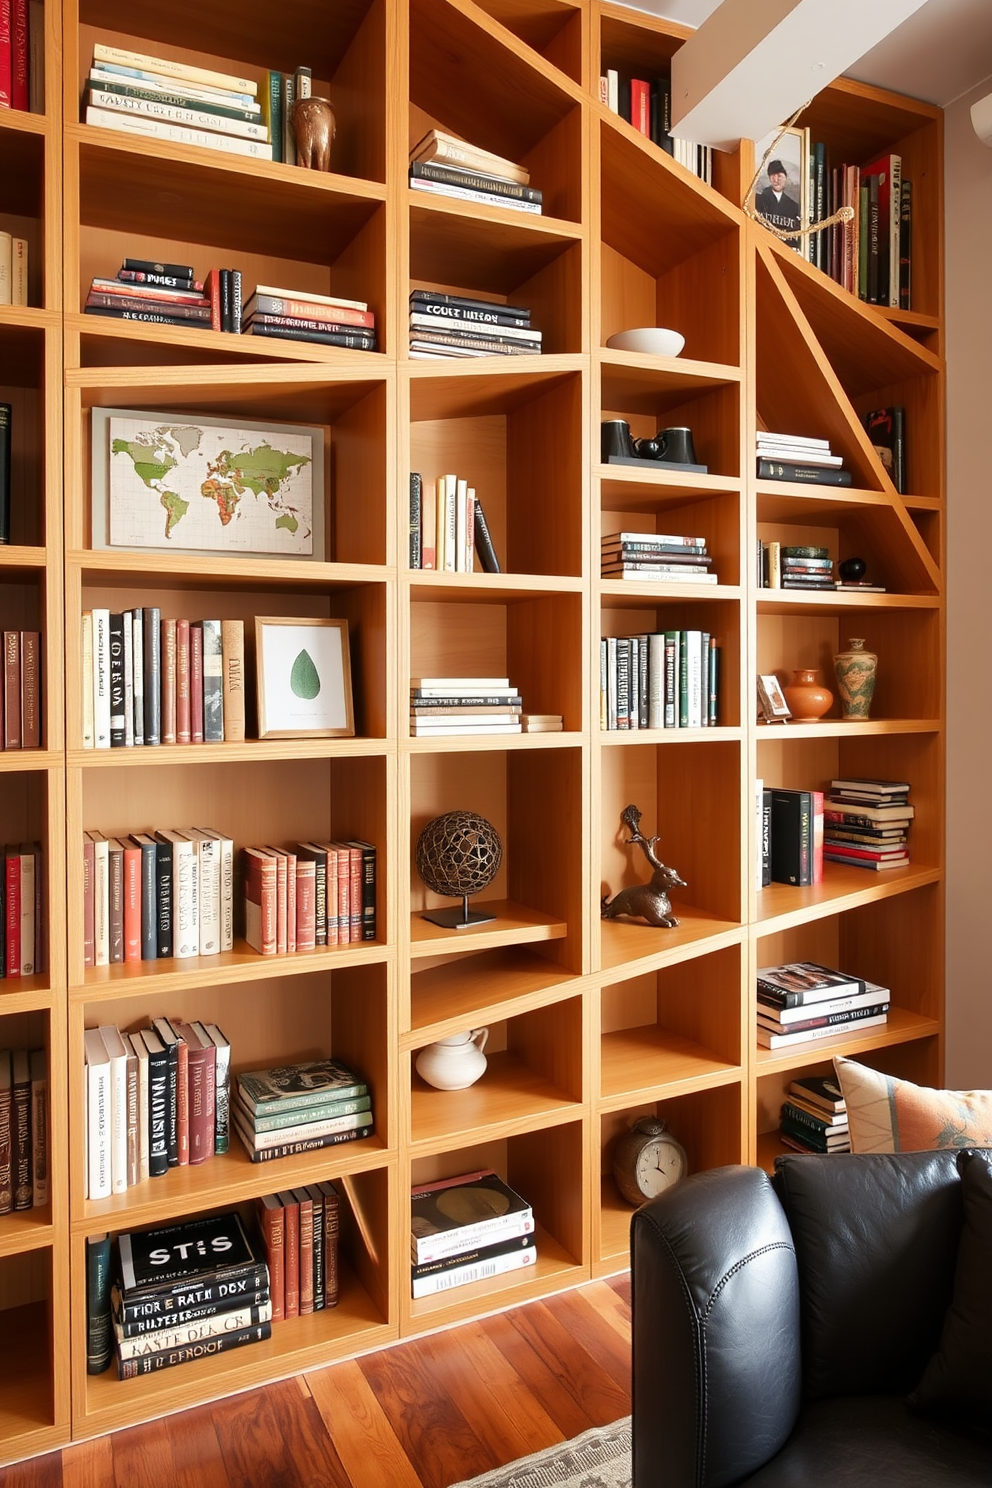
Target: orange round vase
point(807, 699)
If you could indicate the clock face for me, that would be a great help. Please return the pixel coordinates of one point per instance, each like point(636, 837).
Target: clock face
point(660, 1164)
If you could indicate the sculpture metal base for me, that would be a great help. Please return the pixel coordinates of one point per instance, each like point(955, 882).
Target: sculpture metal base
point(457, 919)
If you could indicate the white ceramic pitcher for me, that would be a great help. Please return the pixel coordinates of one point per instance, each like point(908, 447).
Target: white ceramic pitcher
point(454, 1063)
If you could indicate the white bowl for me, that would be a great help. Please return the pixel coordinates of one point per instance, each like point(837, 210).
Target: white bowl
point(654, 340)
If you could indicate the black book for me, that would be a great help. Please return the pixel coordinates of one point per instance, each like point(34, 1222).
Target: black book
point(163, 899)
point(432, 297)
point(483, 541)
point(149, 894)
point(235, 325)
point(171, 1046)
point(887, 431)
point(766, 838)
point(475, 1255)
point(204, 1349)
point(173, 271)
point(99, 1330)
point(368, 885)
point(357, 340)
point(152, 640)
point(154, 316)
point(814, 475)
point(906, 245)
point(157, 281)
point(662, 123)
point(490, 316)
point(6, 420)
point(224, 282)
point(139, 1319)
point(416, 498)
point(430, 170)
point(792, 837)
point(117, 716)
point(170, 1259)
point(158, 1099)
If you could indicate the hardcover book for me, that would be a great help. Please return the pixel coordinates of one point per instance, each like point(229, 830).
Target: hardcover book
point(455, 1214)
point(169, 1258)
point(294, 1085)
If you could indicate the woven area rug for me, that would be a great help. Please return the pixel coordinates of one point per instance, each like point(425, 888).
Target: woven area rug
point(599, 1458)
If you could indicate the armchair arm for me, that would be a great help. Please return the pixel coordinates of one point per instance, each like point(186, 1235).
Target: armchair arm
point(715, 1301)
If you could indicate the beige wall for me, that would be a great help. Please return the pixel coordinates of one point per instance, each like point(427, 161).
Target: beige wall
point(968, 231)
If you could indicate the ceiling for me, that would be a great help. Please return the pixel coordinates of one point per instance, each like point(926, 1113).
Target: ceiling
point(940, 52)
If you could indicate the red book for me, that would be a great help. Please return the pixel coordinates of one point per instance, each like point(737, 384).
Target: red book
point(30, 689)
point(306, 904)
point(19, 55)
point(6, 55)
point(89, 904)
point(11, 685)
point(132, 903)
point(182, 1097)
point(211, 291)
point(304, 309)
point(182, 682)
point(201, 1074)
point(640, 106)
point(817, 836)
point(196, 684)
point(291, 1253)
point(260, 900)
point(290, 858)
point(306, 1249)
point(281, 887)
point(12, 923)
point(351, 865)
point(272, 1223)
point(168, 681)
point(333, 911)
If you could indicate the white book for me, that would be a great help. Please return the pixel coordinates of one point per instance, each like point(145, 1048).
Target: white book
point(308, 294)
point(226, 848)
point(27, 876)
point(176, 134)
point(261, 1140)
point(117, 1054)
point(204, 76)
point(443, 686)
point(461, 510)
point(222, 1085)
point(449, 322)
point(658, 574)
point(185, 918)
point(39, 1128)
point(694, 678)
point(656, 680)
point(807, 441)
point(654, 539)
point(173, 113)
point(18, 271)
point(141, 1054)
point(86, 677)
point(759, 811)
point(450, 522)
point(470, 529)
point(769, 1040)
point(98, 1117)
point(468, 193)
point(613, 89)
point(101, 898)
point(453, 722)
point(435, 730)
point(799, 456)
point(207, 850)
point(101, 679)
point(138, 675)
point(132, 77)
point(128, 679)
point(442, 1281)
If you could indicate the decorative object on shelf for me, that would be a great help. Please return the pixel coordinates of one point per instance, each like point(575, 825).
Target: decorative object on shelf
point(784, 217)
point(852, 569)
point(648, 1160)
point(231, 489)
point(772, 706)
point(304, 678)
point(807, 698)
point(458, 854)
point(454, 1063)
point(672, 447)
point(648, 901)
point(856, 669)
point(314, 129)
point(675, 447)
point(615, 440)
point(652, 340)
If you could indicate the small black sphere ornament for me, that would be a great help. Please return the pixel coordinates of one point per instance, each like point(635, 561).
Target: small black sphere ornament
point(852, 569)
point(458, 854)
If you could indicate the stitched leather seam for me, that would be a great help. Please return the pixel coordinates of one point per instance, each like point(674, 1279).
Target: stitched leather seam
point(739, 1266)
point(698, 1353)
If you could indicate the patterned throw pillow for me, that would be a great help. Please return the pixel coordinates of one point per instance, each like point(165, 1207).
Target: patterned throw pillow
point(889, 1115)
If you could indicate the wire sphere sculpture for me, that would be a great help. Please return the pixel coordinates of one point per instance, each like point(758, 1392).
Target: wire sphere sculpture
point(458, 854)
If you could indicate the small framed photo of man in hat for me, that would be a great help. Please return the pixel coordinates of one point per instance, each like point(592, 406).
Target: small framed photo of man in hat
point(781, 192)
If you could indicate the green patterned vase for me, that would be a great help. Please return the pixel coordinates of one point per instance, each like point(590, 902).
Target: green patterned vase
point(855, 669)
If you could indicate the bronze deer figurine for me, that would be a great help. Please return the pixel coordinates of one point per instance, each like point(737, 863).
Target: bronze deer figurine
point(649, 900)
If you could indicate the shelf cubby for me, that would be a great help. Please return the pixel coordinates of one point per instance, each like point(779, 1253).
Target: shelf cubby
point(654, 393)
point(636, 608)
point(490, 984)
point(554, 31)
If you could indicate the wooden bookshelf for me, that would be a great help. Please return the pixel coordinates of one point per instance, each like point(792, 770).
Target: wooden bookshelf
point(592, 1023)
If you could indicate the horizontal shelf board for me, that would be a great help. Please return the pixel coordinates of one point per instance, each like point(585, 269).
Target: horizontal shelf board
point(476, 247)
point(623, 737)
point(554, 1268)
point(26, 318)
point(636, 1063)
point(487, 988)
point(479, 386)
point(629, 375)
point(221, 343)
point(20, 121)
point(924, 503)
point(638, 947)
point(353, 1326)
point(168, 975)
point(846, 728)
point(18, 559)
point(13, 760)
point(510, 1097)
point(614, 1222)
point(900, 1029)
point(26, 1229)
point(911, 318)
point(515, 924)
point(253, 751)
point(26, 1409)
point(156, 385)
point(781, 906)
point(190, 570)
point(830, 601)
point(25, 994)
point(633, 591)
point(627, 488)
point(513, 217)
point(482, 588)
point(229, 1178)
point(476, 743)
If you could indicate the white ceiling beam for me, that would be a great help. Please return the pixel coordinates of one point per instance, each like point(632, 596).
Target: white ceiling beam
point(752, 63)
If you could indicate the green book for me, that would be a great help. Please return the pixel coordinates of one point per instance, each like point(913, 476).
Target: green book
point(270, 97)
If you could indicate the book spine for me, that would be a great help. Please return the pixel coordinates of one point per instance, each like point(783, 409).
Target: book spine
point(138, 675)
point(442, 1281)
point(332, 1224)
point(151, 630)
point(181, 1333)
point(175, 109)
point(196, 684)
point(306, 1251)
point(244, 1285)
point(494, 185)
point(205, 1348)
point(317, 1200)
point(280, 308)
point(291, 1255)
point(295, 1149)
point(20, 1130)
point(182, 681)
point(351, 340)
point(132, 904)
point(416, 492)
point(272, 111)
point(788, 470)
point(474, 1256)
point(182, 1103)
point(483, 541)
point(30, 689)
point(99, 1330)
point(158, 1114)
point(115, 881)
point(6, 1139)
point(160, 67)
point(448, 1243)
point(39, 1128)
point(233, 657)
point(163, 900)
point(177, 133)
point(213, 683)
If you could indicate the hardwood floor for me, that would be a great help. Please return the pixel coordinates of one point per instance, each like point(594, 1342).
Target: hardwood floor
point(423, 1414)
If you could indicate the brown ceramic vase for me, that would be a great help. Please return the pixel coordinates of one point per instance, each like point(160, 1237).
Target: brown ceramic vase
point(807, 699)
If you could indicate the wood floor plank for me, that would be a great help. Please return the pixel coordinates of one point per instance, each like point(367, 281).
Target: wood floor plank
point(86, 1465)
point(609, 1307)
point(621, 1285)
point(545, 1383)
point(197, 1455)
point(37, 1472)
point(255, 1428)
point(502, 1385)
point(600, 1398)
point(142, 1456)
point(575, 1313)
point(366, 1443)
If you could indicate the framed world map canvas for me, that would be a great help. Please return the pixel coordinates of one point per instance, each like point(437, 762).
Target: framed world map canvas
point(167, 483)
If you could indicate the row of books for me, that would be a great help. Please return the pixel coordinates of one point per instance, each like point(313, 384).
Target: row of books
point(22, 897)
point(294, 1108)
point(156, 1098)
point(310, 894)
point(442, 165)
point(659, 557)
point(300, 1229)
point(163, 99)
point(790, 836)
point(13, 269)
point(149, 679)
point(22, 56)
point(814, 1116)
point(646, 104)
point(168, 294)
point(781, 566)
point(20, 687)
point(803, 1001)
point(667, 679)
point(443, 706)
point(871, 256)
point(23, 1129)
point(466, 1229)
point(866, 823)
point(446, 325)
point(166, 1296)
point(448, 526)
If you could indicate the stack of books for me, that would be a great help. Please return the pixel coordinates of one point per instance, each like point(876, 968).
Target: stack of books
point(803, 1001)
point(300, 1232)
point(163, 294)
point(668, 679)
point(175, 101)
point(149, 680)
point(797, 457)
point(655, 556)
point(22, 905)
point(301, 315)
point(468, 1229)
point(172, 1302)
point(444, 166)
point(814, 1117)
point(157, 1098)
point(444, 325)
point(791, 567)
point(309, 894)
point(443, 706)
point(24, 1164)
point(20, 690)
point(296, 1108)
point(866, 823)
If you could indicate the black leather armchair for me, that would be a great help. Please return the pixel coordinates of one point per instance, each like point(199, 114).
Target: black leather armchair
point(780, 1324)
